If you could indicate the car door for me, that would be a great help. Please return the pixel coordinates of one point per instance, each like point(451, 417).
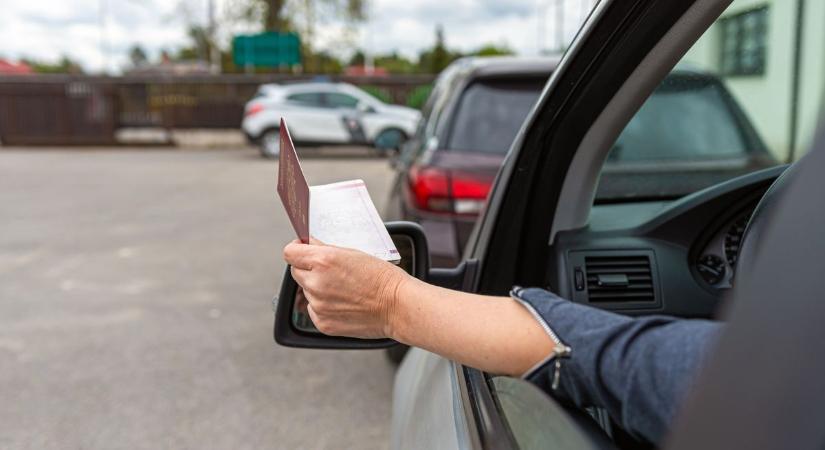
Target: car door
point(345, 107)
point(546, 185)
point(311, 119)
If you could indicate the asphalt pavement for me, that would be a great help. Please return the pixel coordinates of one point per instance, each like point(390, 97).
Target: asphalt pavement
point(135, 312)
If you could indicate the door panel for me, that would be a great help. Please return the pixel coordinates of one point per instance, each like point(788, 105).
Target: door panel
point(311, 121)
point(425, 411)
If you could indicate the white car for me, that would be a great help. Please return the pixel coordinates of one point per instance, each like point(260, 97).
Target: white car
point(325, 113)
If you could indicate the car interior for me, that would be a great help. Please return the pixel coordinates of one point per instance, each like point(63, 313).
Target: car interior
point(637, 257)
point(647, 254)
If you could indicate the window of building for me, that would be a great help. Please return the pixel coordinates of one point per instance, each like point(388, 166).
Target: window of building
point(744, 42)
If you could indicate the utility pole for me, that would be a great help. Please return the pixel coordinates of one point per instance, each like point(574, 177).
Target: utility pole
point(369, 64)
point(211, 29)
point(104, 46)
point(796, 73)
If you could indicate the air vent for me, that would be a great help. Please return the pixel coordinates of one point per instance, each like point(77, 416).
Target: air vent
point(619, 279)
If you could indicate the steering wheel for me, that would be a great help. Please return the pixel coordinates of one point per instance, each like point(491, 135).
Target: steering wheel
point(749, 247)
point(761, 387)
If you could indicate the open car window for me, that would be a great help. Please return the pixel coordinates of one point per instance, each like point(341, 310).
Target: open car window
point(739, 101)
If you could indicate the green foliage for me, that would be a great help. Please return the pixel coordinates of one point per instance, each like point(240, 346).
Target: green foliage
point(64, 65)
point(378, 92)
point(395, 63)
point(274, 15)
point(419, 96)
point(437, 58)
point(492, 50)
point(137, 56)
point(321, 62)
point(358, 58)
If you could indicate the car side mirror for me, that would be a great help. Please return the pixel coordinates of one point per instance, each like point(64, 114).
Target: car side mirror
point(364, 108)
point(294, 328)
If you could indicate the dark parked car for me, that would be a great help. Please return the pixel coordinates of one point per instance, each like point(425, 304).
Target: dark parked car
point(478, 105)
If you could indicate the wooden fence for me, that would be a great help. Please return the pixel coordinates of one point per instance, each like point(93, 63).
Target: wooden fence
point(87, 110)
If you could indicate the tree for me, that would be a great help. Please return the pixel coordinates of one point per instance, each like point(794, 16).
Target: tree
point(280, 15)
point(357, 59)
point(439, 57)
point(493, 50)
point(137, 56)
point(64, 65)
point(302, 16)
point(394, 63)
point(322, 62)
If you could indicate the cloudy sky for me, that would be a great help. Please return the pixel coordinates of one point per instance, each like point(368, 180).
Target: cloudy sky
point(98, 33)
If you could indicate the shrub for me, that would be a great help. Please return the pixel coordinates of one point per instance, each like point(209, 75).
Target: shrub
point(418, 96)
point(378, 92)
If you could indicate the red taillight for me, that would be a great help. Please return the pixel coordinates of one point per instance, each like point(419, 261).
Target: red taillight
point(469, 193)
point(430, 189)
point(439, 190)
point(255, 108)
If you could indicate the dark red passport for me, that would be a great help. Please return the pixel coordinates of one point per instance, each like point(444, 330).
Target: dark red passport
point(292, 186)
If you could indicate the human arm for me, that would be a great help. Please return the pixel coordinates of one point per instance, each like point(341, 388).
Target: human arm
point(353, 294)
point(637, 368)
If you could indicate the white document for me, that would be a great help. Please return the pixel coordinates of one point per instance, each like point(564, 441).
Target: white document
point(343, 214)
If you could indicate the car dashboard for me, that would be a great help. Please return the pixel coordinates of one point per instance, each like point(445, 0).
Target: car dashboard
point(677, 258)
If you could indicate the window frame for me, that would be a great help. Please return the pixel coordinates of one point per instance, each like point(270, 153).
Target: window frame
point(321, 99)
point(328, 100)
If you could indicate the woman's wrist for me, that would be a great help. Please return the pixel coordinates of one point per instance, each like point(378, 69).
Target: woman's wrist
point(398, 313)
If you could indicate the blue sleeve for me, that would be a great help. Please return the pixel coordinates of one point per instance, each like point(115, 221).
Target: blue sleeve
point(638, 369)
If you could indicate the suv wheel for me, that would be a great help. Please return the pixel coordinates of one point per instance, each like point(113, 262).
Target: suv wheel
point(271, 143)
point(390, 139)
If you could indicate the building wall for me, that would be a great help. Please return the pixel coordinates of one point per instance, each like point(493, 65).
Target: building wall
point(766, 98)
point(812, 83)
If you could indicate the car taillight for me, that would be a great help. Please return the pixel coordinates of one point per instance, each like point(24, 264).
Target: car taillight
point(440, 190)
point(429, 189)
point(469, 194)
point(254, 109)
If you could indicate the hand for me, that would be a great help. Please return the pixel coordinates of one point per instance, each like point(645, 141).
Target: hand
point(350, 293)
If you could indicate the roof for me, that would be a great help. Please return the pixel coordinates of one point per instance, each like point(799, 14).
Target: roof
point(304, 85)
point(508, 65)
point(10, 68)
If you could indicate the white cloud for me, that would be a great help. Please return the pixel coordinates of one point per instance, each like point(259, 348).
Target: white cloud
point(47, 29)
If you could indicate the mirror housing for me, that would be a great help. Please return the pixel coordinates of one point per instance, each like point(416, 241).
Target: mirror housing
point(364, 108)
point(289, 334)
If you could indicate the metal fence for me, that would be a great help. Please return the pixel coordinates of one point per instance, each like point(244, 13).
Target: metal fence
point(87, 110)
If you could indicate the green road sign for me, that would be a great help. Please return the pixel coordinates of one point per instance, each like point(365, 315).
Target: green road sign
point(270, 49)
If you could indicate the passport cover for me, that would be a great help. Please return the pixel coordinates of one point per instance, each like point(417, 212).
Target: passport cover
point(292, 186)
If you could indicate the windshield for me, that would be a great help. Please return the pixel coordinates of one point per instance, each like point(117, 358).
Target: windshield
point(745, 97)
point(689, 115)
point(491, 112)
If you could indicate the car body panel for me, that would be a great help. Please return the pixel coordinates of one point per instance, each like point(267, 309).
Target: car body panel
point(624, 172)
point(426, 413)
point(498, 243)
point(323, 123)
point(451, 231)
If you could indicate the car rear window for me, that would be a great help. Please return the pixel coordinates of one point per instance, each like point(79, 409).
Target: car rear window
point(687, 118)
point(491, 112)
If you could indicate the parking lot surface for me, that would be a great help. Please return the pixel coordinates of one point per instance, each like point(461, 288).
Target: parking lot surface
point(135, 312)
